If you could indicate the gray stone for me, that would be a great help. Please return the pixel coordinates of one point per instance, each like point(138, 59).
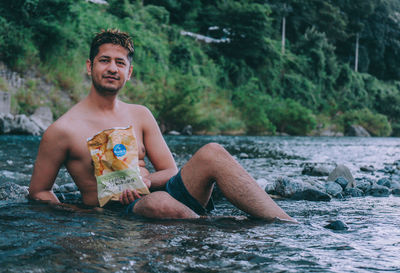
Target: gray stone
point(23, 125)
point(5, 102)
point(187, 131)
point(364, 185)
point(69, 187)
point(368, 169)
point(379, 191)
point(353, 192)
point(243, 155)
point(12, 191)
point(311, 194)
point(337, 225)
point(384, 182)
point(267, 185)
point(174, 133)
point(315, 170)
point(343, 182)
point(43, 117)
point(396, 191)
point(287, 188)
point(356, 130)
point(333, 188)
point(342, 171)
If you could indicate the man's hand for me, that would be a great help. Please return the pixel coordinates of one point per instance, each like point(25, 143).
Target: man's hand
point(128, 196)
point(147, 182)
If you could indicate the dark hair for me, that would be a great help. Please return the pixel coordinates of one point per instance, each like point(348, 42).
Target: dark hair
point(111, 36)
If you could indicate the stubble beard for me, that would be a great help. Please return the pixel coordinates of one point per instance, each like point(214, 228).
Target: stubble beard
point(104, 90)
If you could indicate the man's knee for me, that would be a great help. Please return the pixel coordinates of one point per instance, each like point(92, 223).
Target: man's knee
point(161, 205)
point(211, 151)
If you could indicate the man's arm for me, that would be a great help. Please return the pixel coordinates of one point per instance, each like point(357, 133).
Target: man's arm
point(52, 153)
point(157, 151)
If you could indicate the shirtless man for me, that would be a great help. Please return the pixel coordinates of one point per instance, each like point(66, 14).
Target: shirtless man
point(183, 194)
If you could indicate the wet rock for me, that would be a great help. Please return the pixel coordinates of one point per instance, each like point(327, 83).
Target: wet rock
point(267, 185)
point(368, 169)
point(342, 171)
point(311, 195)
point(364, 185)
point(187, 131)
point(384, 182)
point(343, 182)
point(315, 170)
point(378, 191)
point(66, 188)
point(353, 192)
point(19, 124)
point(12, 191)
point(337, 225)
point(356, 130)
point(396, 191)
point(174, 133)
point(43, 117)
point(333, 188)
point(389, 169)
point(243, 155)
point(286, 187)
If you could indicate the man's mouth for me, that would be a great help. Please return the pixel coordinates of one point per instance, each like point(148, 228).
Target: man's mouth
point(111, 78)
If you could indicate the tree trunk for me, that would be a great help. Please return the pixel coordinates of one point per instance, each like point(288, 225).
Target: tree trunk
point(356, 58)
point(283, 34)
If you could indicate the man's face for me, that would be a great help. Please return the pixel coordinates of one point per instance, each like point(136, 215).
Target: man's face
point(110, 69)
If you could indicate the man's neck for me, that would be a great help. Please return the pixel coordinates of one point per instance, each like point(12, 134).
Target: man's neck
point(103, 102)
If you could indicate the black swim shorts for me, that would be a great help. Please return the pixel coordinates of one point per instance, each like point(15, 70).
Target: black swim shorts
point(177, 189)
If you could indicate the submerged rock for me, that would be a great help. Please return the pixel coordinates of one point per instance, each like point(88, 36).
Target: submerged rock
point(378, 191)
point(342, 171)
point(12, 191)
point(337, 225)
point(315, 170)
point(333, 188)
point(311, 195)
point(343, 182)
point(384, 182)
point(353, 192)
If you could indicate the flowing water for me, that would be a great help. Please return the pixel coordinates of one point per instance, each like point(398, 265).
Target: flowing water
point(36, 238)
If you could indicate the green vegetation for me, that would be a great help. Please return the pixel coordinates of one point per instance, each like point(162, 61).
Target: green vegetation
point(249, 82)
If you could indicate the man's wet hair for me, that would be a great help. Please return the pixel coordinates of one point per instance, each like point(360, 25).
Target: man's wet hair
point(111, 36)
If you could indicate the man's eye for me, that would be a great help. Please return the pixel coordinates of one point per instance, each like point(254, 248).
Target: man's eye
point(121, 63)
point(103, 61)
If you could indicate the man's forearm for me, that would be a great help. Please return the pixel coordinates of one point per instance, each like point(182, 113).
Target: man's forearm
point(159, 179)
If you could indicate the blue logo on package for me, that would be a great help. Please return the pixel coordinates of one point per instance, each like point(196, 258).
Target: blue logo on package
point(119, 150)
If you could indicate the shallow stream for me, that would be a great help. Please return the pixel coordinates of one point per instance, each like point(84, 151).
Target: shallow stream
point(36, 238)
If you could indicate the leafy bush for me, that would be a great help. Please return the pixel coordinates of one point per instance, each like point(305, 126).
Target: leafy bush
point(290, 117)
point(375, 124)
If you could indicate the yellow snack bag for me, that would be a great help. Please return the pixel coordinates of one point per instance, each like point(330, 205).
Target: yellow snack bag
point(116, 163)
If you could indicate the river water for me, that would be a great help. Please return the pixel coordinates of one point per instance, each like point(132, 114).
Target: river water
point(36, 238)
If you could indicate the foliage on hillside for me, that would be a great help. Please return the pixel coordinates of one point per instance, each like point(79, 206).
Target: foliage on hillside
point(246, 83)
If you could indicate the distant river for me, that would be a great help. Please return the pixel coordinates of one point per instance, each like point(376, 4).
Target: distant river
point(36, 238)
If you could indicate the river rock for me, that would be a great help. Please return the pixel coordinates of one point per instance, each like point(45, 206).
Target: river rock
point(268, 185)
point(364, 184)
point(343, 182)
point(342, 171)
point(378, 191)
point(19, 124)
point(187, 131)
point(67, 188)
point(12, 191)
point(315, 170)
point(337, 225)
point(384, 182)
point(333, 188)
point(353, 192)
point(356, 130)
point(368, 169)
point(286, 187)
point(396, 191)
point(311, 194)
point(43, 117)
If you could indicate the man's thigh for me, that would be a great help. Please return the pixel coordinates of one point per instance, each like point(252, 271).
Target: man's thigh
point(161, 205)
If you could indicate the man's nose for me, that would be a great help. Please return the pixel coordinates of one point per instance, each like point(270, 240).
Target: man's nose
point(112, 67)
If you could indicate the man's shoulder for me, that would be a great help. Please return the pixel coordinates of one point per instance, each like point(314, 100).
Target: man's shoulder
point(138, 109)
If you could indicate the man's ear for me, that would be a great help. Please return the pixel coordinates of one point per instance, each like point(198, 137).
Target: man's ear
point(130, 72)
point(89, 67)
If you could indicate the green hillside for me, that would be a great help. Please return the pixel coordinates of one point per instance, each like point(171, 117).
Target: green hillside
point(241, 79)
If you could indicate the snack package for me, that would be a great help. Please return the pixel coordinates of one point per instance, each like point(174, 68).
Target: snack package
point(116, 163)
